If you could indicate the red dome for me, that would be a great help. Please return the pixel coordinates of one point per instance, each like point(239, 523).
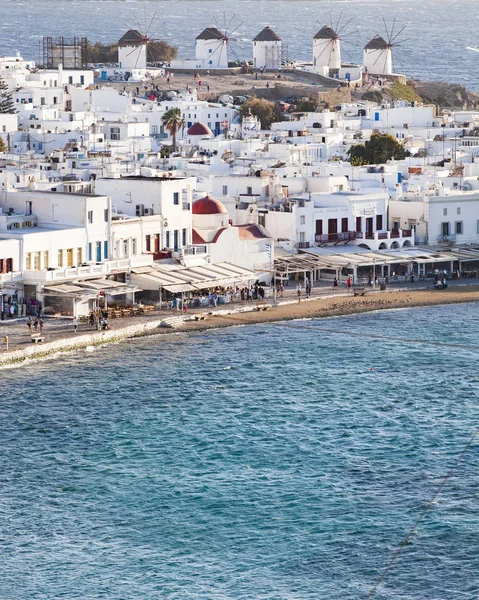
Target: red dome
point(208, 206)
point(199, 129)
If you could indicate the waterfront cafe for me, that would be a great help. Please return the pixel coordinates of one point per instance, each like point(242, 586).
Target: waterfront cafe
point(166, 279)
point(396, 265)
point(80, 297)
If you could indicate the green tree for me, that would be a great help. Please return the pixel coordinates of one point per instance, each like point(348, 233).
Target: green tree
point(380, 148)
point(173, 121)
point(267, 112)
point(7, 106)
point(161, 51)
point(306, 105)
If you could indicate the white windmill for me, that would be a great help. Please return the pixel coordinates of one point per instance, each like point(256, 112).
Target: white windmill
point(213, 45)
point(326, 50)
point(137, 47)
point(267, 50)
point(377, 54)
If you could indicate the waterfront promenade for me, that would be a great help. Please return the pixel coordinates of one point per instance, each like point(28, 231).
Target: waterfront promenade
point(59, 335)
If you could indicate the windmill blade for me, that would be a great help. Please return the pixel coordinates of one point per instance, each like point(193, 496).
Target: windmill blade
point(219, 47)
point(151, 23)
point(338, 21)
point(397, 34)
point(134, 50)
point(234, 31)
point(138, 22)
point(379, 56)
point(228, 28)
point(344, 27)
point(397, 44)
point(388, 35)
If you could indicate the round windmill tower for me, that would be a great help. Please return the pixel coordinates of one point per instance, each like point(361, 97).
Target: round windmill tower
point(378, 53)
point(267, 50)
point(212, 48)
point(378, 57)
point(326, 51)
point(132, 50)
point(214, 44)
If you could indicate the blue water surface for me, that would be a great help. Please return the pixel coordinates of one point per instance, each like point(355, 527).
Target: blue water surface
point(259, 462)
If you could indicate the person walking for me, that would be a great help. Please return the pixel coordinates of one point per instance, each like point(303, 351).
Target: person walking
point(75, 324)
point(40, 324)
point(349, 282)
point(299, 292)
point(335, 283)
point(29, 324)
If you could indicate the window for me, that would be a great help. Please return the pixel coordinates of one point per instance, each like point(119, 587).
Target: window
point(79, 256)
point(46, 260)
point(115, 134)
point(90, 253)
point(70, 79)
point(148, 243)
point(105, 250)
point(444, 212)
point(106, 214)
point(249, 190)
point(167, 239)
point(60, 258)
point(90, 216)
point(176, 198)
point(42, 101)
point(82, 79)
point(125, 248)
point(134, 246)
point(225, 190)
point(458, 210)
point(154, 130)
point(302, 220)
point(55, 100)
point(379, 222)
point(183, 238)
point(28, 260)
point(458, 227)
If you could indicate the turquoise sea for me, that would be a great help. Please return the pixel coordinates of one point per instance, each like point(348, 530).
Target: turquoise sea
point(258, 462)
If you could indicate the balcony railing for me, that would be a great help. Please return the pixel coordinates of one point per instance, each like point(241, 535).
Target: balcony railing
point(446, 238)
point(344, 236)
point(107, 267)
point(194, 250)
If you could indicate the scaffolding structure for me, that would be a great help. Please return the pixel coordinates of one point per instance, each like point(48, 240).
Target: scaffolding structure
point(70, 53)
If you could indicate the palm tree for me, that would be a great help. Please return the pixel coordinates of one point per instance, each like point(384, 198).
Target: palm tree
point(173, 121)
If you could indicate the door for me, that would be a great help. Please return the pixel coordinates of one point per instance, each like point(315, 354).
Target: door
point(319, 227)
point(175, 240)
point(98, 252)
point(369, 226)
point(359, 225)
point(70, 257)
point(344, 224)
point(445, 230)
point(332, 229)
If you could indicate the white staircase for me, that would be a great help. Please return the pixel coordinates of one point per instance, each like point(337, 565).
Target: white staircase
point(172, 322)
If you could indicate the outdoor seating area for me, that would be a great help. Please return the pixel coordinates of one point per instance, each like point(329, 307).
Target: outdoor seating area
point(119, 312)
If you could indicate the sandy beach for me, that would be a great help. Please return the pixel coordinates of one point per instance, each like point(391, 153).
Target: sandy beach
point(60, 337)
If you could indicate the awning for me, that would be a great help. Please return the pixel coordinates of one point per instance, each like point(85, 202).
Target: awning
point(177, 278)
